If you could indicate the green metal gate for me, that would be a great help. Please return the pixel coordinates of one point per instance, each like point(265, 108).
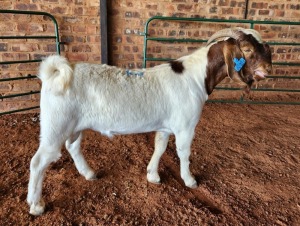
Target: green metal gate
point(245, 23)
point(54, 37)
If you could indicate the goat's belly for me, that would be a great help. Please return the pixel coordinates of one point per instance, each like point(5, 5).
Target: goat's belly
point(129, 129)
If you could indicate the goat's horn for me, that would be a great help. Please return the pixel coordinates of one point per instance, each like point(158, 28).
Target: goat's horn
point(252, 32)
point(227, 32)
point(234, 33)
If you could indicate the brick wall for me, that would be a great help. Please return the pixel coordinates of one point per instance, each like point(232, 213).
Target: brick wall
point(78, 22)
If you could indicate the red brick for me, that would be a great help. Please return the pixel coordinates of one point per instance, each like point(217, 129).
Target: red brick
point(59, 10)
point(224, 3)
point(80, 39)
point(79, 2)
point(65, 28)
point(72, 19)
point(52, 1)
point(79, 28)
point(25, 47)
point(4, 88)
point(227, 10)
point(81, 48)
point(91, 11)
point(26, 86)
point(78, 11)
point(3, 47)
point(91, 29)
point(15, 56)
point(25, 7)
point(181, 7)
point(260, 5)
point(263, 12)
point(94, 39)
point(77, 57)
point(279, 13)
point(152, 6)
point(21, 27)
point(67, 39)
point(294, 6)
point(133, 14)
point(135, 49)
point(36, 28)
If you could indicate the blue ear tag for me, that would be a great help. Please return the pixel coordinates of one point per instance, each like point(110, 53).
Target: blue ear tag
point(239, 63)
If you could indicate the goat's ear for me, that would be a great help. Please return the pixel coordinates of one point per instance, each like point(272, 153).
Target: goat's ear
point(230, 52)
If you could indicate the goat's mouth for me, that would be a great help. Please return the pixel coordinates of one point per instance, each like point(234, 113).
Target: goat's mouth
point(260, 74)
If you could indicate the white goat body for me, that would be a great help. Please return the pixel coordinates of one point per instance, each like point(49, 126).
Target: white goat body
point(104, 98)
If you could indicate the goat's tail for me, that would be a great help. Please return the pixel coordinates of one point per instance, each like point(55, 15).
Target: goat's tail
point(56, 73)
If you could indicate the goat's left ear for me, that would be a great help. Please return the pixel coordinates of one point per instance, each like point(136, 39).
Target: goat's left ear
point(232, 51)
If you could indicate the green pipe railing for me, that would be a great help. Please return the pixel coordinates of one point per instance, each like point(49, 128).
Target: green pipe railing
point(19, 61)
point(51, 37)
point(19, 95)
point(251, 24)
point(17, 78)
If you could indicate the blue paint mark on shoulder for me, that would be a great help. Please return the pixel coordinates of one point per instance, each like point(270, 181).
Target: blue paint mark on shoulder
point(134, 73)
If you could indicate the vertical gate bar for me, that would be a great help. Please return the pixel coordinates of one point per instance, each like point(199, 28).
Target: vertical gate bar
point(103, 31)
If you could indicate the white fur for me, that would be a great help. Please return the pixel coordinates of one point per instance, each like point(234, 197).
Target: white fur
point(105, 99)
point(56, 74)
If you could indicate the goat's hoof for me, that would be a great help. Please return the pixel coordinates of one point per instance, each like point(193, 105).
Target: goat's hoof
point(192, 183)
point(154, 179)
point(38, 208)
point(91, 176)
point(193, 186)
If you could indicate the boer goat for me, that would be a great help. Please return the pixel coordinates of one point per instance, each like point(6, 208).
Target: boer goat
point(167, 99)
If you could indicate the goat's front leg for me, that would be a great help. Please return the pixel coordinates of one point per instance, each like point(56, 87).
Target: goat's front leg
point(183, 145)
point(38, 165)
point(73, 147)
point(161, 142)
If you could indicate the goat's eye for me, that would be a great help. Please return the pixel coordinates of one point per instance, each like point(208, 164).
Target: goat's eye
point(247, 50)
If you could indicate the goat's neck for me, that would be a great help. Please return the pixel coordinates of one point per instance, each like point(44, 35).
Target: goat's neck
point(216, 69)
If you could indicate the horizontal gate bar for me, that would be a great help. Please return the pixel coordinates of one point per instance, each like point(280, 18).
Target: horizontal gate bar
point(18, 95)
point(170, 59)
point(261, 89)
point(18, 78)
point(27, 37)
point(253, 102)
point(19, 110)
point(20, 61)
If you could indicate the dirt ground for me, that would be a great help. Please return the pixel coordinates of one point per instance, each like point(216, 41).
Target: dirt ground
point(246, 159)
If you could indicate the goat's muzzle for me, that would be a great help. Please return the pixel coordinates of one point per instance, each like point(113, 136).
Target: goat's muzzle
point(259, 75)
point(262, 72)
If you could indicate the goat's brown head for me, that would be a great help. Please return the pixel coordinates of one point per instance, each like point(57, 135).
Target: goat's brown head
point(247, 58)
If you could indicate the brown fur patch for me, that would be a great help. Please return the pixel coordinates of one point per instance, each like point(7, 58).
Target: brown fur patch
point(216, 69)
point(177, 66)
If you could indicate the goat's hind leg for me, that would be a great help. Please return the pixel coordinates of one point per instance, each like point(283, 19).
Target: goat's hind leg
point(73, 147)
point(161, 142)
point(38, 165)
